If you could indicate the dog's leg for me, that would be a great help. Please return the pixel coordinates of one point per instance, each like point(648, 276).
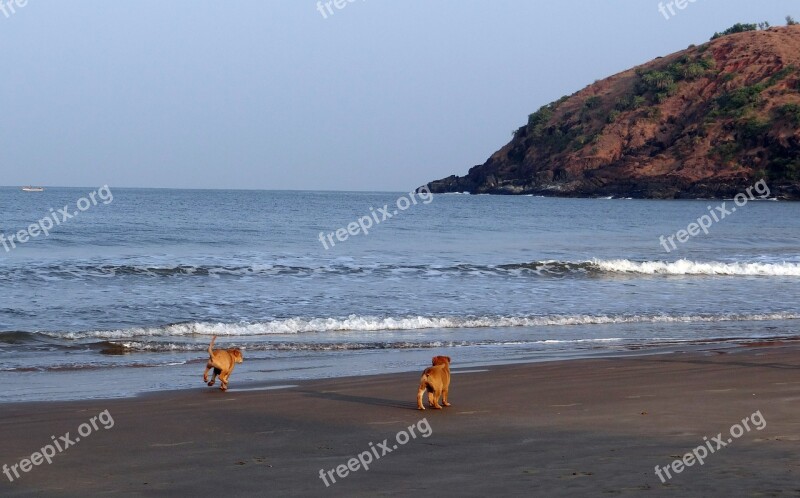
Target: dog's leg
point(227, 375)
point(217, 371)
point(444, 396)
point(209, 366)
point(436, 404)
point(431, 401)
point(420, 393)
point(223, 379)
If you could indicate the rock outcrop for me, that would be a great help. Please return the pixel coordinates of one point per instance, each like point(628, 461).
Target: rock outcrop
point(706, 122)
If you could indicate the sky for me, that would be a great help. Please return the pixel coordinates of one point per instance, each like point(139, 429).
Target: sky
point(380, 95)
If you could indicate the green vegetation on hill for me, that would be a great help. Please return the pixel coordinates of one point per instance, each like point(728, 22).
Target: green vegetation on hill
point(738, 107)
point(740, 28)
point(654, 86)
point(790, 112)
point(658, 84)
point(744, 27)
point(742, 107)
point(738, 102)
point(678, 125)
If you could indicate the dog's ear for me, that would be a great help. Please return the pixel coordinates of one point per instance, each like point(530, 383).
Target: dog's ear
point(433, 360)
point(441, 360)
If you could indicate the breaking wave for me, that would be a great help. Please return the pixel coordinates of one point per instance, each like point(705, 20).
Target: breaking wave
point(686, 267)
point(357, 323)
point(594, 268)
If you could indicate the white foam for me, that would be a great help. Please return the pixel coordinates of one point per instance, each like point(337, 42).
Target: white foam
point(358, 323)
point(579, 341)
point(686, 267)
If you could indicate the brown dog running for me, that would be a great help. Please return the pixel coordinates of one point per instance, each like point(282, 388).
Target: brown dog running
point(435, 380)
point(222, 361)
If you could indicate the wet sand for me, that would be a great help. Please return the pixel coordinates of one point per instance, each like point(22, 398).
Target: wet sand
point(594, 427)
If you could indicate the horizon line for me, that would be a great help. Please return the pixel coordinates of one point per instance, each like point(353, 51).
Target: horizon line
point(204, 188)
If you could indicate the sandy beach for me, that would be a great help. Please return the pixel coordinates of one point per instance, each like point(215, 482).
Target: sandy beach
point(580, 428)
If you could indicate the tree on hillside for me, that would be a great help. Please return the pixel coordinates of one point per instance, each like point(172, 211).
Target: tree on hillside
point(790, 21)
point(741, 28)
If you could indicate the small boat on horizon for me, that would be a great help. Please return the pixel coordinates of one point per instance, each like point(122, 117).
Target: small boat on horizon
point(32, 189)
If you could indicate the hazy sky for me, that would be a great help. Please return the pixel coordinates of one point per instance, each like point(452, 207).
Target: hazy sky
point(269, 94)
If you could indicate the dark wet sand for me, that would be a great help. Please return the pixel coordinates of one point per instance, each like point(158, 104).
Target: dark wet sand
point(573, 428)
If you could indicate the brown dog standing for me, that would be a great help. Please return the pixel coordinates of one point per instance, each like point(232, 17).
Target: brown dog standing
point(435, 380)
point(222, 361)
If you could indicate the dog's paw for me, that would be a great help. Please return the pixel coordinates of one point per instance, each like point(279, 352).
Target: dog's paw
point(446, 404)
point(437, 407)
point(420, 408)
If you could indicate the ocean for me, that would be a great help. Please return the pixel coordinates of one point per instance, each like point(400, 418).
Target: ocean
point(123, 296)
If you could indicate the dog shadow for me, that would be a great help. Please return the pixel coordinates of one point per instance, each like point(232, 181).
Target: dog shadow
point(362, 400)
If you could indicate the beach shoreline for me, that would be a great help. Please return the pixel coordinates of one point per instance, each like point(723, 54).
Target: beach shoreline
point(177, 373)
point(593, 426)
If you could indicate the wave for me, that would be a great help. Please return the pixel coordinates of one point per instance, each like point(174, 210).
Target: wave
point(594, 267)
point(84, 366)
point(160, 347)
point(18, 337)
point(127, 348)
point(358, 323)
point(686, 267)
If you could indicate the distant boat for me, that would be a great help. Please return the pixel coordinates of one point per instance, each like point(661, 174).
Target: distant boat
point(32, 189)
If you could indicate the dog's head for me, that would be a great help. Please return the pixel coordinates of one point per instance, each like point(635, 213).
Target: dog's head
point(441, 360)
point(237, 355)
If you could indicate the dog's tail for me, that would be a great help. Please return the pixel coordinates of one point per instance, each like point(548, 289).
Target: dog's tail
point(426, 382)
point(211, 346)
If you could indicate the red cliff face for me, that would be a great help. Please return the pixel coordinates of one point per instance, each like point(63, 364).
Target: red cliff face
point(708, 121)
